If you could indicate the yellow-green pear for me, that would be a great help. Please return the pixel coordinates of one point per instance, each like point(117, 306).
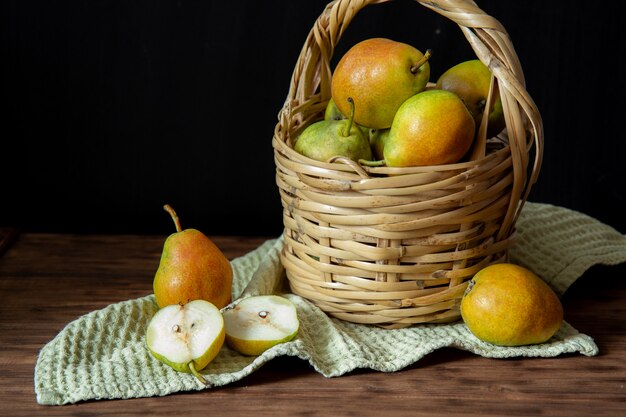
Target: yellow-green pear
point(332, 112)
point(470, 80)
point(378, 137)
point(326, 139)
point(509, 305)
point(431, 128)
point(379, 74)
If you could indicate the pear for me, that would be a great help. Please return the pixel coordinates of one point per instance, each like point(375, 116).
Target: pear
point(379, 74)
point(431, 128)
point(509, 305)
point(186, 337)
point(332, 112)
point(378, 137)
point(470, 80)
point(325, 139)
point(191, 267)
point(259, 322)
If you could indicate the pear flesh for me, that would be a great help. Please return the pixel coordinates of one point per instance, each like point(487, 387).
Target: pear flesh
point(260, 322)
point(186, 337)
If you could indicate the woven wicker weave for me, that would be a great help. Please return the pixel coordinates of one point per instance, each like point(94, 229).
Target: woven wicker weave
point(394, 250)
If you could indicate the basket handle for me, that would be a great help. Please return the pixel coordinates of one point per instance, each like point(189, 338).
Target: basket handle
point(311, 79)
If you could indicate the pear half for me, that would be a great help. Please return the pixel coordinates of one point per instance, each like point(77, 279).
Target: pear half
point(259, 322)
point(186, 337)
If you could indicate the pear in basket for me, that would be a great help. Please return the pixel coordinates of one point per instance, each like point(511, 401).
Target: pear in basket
point(378, 137)
point(379, 74)
point(332, 112)
point(470, 80)
point(431, 128)
point(326, 139)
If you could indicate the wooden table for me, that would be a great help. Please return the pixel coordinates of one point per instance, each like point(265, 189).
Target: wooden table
point(48, 280)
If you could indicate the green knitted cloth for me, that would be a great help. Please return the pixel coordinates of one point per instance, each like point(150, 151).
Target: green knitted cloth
point(102, 355)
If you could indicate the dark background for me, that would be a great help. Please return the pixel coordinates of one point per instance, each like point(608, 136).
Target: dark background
point(113, 108)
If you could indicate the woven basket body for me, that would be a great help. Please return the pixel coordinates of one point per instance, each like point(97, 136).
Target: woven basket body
point(397, 246)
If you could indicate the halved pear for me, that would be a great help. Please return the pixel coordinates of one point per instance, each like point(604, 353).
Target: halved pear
point(259, 322)
point(186, 337)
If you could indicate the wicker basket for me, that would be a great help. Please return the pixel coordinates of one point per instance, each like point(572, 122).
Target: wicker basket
point(395, 250)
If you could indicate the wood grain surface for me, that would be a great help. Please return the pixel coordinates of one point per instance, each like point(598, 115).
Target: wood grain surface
point(48, 280)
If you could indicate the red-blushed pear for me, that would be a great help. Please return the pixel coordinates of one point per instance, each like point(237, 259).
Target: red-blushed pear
point(431, 128)
point(192, 267)
point(379, 74)
point(470, 80)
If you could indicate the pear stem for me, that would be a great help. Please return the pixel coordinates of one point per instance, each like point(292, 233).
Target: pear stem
point(367, 163)
point(197, 374)
point(422, 61)
point(351, 118)
point(172, 213)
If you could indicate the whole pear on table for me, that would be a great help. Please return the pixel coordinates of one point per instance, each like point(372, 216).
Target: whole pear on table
point(509, 305)
point(192, 267)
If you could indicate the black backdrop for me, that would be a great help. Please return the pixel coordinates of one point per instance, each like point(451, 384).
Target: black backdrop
point(113, 108)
